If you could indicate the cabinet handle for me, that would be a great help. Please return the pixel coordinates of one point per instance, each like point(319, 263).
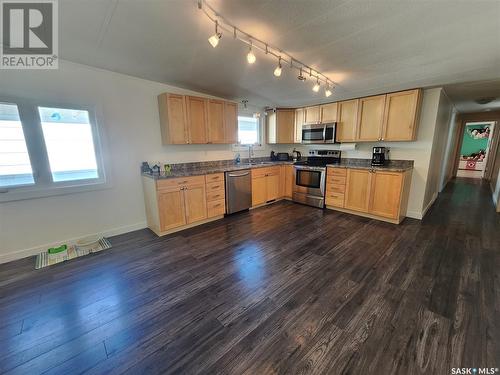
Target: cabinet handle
point(217, 205)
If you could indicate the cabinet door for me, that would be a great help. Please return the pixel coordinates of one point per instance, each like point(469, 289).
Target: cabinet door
point(401, 115)
point(273, 185)
point(271, 127)
point(371, 118)
point(259, 190)
point(329, 113)
point(215, 121)
point(357, 190)
point(173, 120)
point(289, 181)
point(385, 196)
point(230, 122)
point(197, 119)
point(171, 209)
point(311, 115)
point(346, 126)
point(285, 119)
point(195, 203)
point(299, 121)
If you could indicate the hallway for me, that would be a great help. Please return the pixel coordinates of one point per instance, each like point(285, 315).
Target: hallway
point(284, 288)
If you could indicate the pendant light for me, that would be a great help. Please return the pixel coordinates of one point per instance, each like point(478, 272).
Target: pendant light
point(214, 39)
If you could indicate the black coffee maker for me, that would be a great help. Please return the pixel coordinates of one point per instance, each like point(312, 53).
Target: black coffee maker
point(380, 155)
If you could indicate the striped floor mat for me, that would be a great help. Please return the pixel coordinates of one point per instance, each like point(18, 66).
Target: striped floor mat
point(74, 251)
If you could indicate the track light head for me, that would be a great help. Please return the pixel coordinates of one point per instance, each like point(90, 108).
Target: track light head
point(250, 56)
point(300, 77)
point(214, 39)
point(328, 92)
point(316, 86)
point(277, 71)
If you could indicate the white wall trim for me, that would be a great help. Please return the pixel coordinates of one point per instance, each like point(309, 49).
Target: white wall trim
point(414, 215)
point(19, 254)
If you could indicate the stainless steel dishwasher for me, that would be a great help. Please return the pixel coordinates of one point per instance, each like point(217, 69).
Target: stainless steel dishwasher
point(238, 191)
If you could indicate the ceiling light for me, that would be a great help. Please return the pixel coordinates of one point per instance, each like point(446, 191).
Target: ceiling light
point(277, 71)
point(250, 56)
point(214, 39)
point(316, 86)
point(300, 77)
point(328, 92)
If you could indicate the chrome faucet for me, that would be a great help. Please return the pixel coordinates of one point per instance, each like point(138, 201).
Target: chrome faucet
point(250, 153)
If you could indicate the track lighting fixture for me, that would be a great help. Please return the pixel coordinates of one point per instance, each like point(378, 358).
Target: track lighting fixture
point(253, 43)
point(316, 86)
point(250, 56)
point(277, 71)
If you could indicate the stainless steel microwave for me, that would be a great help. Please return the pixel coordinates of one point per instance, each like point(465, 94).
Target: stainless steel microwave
point(319, 133)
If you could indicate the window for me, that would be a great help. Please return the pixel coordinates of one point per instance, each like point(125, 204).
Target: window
point(248, 130)
point(70, 147)
point(15, 166)
point(47, 150)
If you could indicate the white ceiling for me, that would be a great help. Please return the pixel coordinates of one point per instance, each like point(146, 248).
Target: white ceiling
point(367, 46)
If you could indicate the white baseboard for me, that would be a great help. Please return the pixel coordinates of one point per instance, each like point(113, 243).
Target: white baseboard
point(19, 254)
point(414, 214)
point(426, 208)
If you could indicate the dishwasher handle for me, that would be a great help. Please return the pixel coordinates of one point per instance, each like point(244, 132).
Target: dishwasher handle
point(238, 175)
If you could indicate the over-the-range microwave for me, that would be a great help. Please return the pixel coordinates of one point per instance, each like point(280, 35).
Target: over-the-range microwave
point(319, 133)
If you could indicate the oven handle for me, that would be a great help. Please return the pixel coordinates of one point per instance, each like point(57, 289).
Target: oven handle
point(322, 183)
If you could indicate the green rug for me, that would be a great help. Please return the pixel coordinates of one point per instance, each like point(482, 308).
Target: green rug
point(74, 251)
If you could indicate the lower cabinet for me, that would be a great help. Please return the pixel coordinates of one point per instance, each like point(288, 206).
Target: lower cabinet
point(265, 185)
point(176, 203)
point(373, 193)
point(288, 181)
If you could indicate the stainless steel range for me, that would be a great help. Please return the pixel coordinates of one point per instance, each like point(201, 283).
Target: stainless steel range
point(310, 177)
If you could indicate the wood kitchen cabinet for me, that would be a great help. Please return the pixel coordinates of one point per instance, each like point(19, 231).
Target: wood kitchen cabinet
point(230, 122)
point(173, 119)
point(197, 119)
point(281, 126)
point(401, 115)
point(373, 193)
point(357, 189)
point(311, 115)
point(370, 118)
point(215, 126)
point(328, 113)
point(288, 180)
point(177, 203)
point(190, 119)
point(347, 120)
point(265, 185)
point(299, 121)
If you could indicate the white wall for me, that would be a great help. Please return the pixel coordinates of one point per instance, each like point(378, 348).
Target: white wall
point(127, 112)
point(418, 151)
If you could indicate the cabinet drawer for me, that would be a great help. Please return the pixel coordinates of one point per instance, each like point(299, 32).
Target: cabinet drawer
point(266, 171)
point(337, 180)
point(216, 208)
point(215, 195)
point(335, 188)
point(332, 171)
point(215, 186)
point(214, 177)
point(170, 183)
point(334, 199)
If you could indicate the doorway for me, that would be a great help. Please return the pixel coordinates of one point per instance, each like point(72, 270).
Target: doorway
point(475, 149)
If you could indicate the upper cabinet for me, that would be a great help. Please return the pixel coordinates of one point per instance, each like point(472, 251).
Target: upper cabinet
point(191, 119)
point(311, 115)
point(347, 120)
point(299, 121)
point(370, 118)
point(281, 126)
point(173, 119)
point(401, 115)
point(328, 113)
point(230, 122)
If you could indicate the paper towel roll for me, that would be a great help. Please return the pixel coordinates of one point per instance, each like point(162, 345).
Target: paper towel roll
point(347, 146)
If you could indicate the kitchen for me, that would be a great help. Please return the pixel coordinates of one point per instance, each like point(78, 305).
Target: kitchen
point(272, 185)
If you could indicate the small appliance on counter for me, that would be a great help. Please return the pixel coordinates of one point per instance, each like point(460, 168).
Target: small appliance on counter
point(309, 177)
point(296, 155)
point(380, 155)
point(280, 156)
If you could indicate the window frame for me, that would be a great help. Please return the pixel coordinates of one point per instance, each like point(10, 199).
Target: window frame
point(44, 186)
point(256, 146)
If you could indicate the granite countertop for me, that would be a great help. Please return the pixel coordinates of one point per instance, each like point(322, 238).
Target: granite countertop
point(391, 165)
point(196, 169)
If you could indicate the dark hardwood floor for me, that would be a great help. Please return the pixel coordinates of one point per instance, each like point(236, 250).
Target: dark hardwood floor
point(283, 289)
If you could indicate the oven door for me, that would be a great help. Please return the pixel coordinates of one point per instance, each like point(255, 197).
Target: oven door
point(309, 180)
point(313, 133)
